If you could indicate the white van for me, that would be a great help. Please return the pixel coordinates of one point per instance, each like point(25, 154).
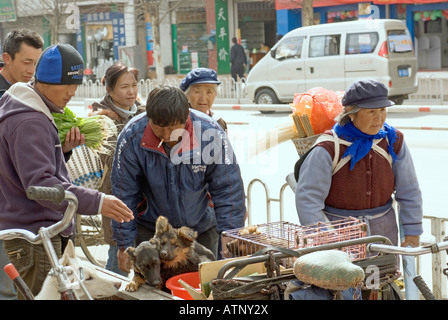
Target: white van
point(333, 56)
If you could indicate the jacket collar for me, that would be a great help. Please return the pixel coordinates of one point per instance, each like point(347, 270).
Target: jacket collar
point(151, 141)
point(29, 96)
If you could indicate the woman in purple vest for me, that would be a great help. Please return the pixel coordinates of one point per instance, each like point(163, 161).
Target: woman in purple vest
point(377, 165)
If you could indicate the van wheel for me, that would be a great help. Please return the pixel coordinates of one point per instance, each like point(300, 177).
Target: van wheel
point(398, 100)
point(266, 96)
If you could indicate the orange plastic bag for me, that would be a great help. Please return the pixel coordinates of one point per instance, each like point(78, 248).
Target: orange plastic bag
point(320, 105)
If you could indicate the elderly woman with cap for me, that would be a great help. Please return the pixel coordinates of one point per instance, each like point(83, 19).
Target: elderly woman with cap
point(201, 87)
point(374, 163)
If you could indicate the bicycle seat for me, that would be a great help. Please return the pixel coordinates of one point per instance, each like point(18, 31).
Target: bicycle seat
point(328, 269)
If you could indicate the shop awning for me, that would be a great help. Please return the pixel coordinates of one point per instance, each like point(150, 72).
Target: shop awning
point(407, 1)
point(296, 4)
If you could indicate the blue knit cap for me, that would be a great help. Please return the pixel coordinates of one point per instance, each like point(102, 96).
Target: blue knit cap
point(60, 64)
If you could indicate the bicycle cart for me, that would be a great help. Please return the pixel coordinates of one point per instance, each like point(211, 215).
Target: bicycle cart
point(380, 263)
point(273, 284)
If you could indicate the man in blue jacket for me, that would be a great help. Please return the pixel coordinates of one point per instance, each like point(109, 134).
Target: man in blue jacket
point(180, 162)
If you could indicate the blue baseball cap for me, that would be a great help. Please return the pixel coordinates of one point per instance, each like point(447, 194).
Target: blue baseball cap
point(60, 64)
point(367, 94)
point(199, 75)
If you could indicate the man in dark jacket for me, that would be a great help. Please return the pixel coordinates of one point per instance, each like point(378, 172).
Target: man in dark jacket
point(21, 50)
point(180, 161)
point(31, 154)
point(237, 60)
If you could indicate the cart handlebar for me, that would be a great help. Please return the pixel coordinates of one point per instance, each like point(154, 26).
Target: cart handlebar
point(408, 251)
point(56, 194)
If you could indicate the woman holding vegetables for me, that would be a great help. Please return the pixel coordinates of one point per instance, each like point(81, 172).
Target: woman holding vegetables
point(120, 104)
point(31, 155)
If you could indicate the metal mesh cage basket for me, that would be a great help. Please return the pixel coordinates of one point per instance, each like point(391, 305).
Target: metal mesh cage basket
point(304, 144)
point(246, 241)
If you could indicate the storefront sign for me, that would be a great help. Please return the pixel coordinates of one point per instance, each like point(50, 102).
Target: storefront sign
point(222, 36)
point(117, 18)
point(407, 1)
point(7, 11)
point(297, 4)
point(149, 44)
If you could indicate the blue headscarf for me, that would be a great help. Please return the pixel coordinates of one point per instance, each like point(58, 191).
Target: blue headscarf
point(362, 142)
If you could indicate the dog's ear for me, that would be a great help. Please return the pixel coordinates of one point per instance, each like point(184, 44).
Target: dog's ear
point(155, 242)
point(162, 225)
point(131, 253)
point(187, 235)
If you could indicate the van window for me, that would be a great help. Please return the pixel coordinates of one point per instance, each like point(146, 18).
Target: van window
point(399, 41)
point(361, 42)
point(289, 48)
point(324, 45)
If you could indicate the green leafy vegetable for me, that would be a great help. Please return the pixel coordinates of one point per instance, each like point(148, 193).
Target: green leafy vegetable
point(91, 127)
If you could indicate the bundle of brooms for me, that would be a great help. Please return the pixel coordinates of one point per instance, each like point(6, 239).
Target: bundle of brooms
point(313, 112)
point(306, 137)
point(299, 131)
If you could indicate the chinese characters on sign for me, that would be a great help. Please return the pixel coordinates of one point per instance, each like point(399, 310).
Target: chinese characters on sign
point(7, 11)
point(222, 36)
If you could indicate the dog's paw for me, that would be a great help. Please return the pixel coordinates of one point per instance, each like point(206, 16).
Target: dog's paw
point(132, 286)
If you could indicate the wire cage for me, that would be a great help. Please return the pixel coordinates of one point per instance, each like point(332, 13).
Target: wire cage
point(246, 241)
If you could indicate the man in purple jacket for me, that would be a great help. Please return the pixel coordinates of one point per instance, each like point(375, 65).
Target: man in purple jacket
point(31, 154)
point(21, 50)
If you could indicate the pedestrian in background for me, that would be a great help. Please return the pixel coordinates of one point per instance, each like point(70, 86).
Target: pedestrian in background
point(237, 60)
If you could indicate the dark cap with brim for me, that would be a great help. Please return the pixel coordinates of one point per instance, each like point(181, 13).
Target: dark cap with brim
point(367, 94)
point(199, 75)
point(60, 64)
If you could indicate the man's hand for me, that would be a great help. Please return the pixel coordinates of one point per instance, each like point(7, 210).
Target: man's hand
point(413, 241)
point(73, 139)
point(115, 209)
point(123, 261)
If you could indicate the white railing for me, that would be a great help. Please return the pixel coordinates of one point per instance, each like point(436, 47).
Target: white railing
point(437, 261)
point(228, 89)
point(431, 88)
